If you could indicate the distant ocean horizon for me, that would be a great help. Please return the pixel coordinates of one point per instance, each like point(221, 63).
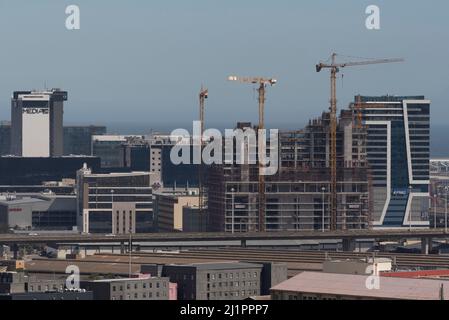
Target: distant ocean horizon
point(439, 133)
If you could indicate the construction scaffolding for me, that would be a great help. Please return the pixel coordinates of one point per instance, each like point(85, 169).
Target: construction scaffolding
point(299, 196)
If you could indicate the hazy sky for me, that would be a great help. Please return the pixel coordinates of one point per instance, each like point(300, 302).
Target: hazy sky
point(144, 61)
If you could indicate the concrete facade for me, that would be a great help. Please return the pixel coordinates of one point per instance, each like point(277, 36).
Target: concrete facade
point(37, 123)
point(147, 288)
point(115, 203)
point(215, 281)
point(169, 208)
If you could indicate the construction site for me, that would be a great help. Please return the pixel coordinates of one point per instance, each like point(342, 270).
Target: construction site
point(299, 196)
point(324, 181)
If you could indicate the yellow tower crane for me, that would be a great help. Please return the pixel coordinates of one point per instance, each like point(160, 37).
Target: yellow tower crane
point(334, 69)
point(204, 94)
point(262, 83)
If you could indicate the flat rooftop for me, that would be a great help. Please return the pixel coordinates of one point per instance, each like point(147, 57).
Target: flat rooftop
point(355, 286)
point(221, 266)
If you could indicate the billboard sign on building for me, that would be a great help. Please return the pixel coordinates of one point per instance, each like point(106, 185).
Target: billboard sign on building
point(36, 128)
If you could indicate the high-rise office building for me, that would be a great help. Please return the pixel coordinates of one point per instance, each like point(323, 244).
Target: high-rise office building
point(37, 123)
point(112, 149)
point(78, 139)
point(5, 138)
point(398, 153)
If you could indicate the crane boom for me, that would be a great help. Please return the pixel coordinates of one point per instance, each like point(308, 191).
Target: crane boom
point(360, 63)
point(334, 69)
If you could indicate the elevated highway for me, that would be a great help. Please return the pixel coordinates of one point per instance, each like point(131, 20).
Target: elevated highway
point(381, 235)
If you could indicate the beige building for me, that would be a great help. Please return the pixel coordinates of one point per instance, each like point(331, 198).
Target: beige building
point(362, 267)
point(170, 208)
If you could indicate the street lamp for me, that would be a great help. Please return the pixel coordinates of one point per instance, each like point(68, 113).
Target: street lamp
point(323, 223)
point(445, 211)
point(130, 250)
point(232, 211)
point(435, 204)
point(411, 208)
point(112, 210)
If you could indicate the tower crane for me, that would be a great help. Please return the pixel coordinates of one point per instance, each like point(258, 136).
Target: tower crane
point(262, 83)
point(334, 70)
point(204, 94)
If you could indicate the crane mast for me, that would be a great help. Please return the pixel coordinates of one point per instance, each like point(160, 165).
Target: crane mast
point(204, 94)
point(263, 83)
point(334, 70)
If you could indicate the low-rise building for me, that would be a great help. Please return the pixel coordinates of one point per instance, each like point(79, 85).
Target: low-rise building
point(177, 210)
point(39, 212)
point(362, 267)
point(49, 296)
point(214, 281)
point(19, 282)
point(115, 203)
point(331, 286)
point(146, 288)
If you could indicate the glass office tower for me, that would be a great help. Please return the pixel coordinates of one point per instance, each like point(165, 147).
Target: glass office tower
point(398, 152)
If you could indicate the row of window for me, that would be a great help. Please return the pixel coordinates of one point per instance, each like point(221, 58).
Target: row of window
point(242, 294)
point(39, 288)
point(232, 284)
point(141, 296)
point(138, 286)
point(237, 275)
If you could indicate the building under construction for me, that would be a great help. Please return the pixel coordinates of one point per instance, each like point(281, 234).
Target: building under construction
point(298, 196)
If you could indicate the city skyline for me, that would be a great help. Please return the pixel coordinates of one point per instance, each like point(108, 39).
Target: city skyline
point(144, 63)
point(241, 152)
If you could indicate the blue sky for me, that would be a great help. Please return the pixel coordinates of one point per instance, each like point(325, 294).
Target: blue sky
point(144, 61)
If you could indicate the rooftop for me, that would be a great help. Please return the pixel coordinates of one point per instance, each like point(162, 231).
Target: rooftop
point(222, 266)
point(355, 286)
point(126, 279)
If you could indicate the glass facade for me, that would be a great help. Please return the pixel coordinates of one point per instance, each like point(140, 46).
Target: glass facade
point(78, 139)
point(398, 153)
